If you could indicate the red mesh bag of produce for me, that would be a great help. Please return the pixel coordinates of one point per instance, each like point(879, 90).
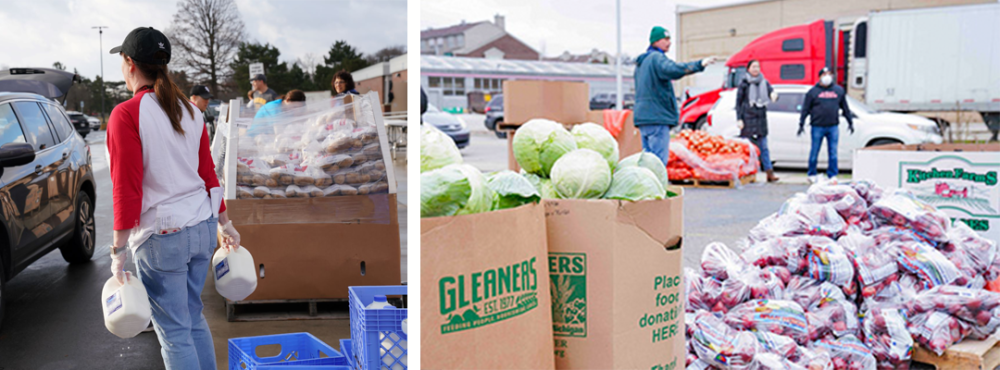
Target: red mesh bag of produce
point(928, 264)
point(780, 251)
point(903, 209)
point(720, 262)
point(936, 331)
point(844, 199)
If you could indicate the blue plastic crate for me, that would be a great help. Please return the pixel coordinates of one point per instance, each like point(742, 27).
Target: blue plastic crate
point(305, 367)
point(376, 334)
point(297, 349)
point(348, 350)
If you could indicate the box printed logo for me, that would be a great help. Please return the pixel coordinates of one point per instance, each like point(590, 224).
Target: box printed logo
point(478, 299)
point(951, 182)
point(568, 272)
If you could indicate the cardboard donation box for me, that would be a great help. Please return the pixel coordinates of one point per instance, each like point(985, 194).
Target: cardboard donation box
point(312, 192)
point(959, 179)
point(616, 271)
point(567, 103)
point(485, 294)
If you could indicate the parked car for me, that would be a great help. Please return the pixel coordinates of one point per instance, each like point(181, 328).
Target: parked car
point(80, 123)
point(608, 101)
point(449, 124)
point(494, 115)
point(47, 186)
point(95, 123)
point(871, 127)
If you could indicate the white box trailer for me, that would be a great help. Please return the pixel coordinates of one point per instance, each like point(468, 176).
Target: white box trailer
point(934, 59)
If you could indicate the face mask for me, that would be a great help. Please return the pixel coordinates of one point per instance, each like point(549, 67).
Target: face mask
point(826, 80)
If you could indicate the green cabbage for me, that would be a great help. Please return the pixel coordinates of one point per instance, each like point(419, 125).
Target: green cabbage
point(581, 174)
point(456, 189)
point(635, 183)
point(595, 137)
point(511, 190)
point(649, 161)
point(437, 149)
point(539, 143)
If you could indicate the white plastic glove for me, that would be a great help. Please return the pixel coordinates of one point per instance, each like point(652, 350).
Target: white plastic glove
point(118, 263)
point(774, 96)
point(230, 238)
point(707, 61)
point(739, 124)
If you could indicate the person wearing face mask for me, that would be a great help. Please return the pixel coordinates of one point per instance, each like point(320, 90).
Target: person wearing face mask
point(823, 104)
point(752, 97)
point(167, 203)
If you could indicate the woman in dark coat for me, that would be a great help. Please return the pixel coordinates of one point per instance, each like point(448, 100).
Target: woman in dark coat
point(752, 97)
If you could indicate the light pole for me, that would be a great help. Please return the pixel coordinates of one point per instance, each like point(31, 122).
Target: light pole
point(100, 38)
point(618, 56)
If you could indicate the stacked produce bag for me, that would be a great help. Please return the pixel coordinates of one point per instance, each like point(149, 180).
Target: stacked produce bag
point(316, 150)
point(556, 164)
point(843, 276)
point(695, 154)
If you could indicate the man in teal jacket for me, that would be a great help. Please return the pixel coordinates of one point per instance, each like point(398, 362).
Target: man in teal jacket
point(655, 102)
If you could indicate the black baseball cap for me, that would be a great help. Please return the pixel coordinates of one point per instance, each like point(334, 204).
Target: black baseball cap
point(824, 70)
point(142, 44)
point(201, 91)
point(260, 77)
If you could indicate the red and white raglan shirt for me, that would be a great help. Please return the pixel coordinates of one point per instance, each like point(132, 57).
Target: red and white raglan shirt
point(160, 178)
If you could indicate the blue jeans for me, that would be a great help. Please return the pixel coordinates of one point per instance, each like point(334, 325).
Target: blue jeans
point(656, 140)
point(765, 154)
point(173, 268)
point(832, 135)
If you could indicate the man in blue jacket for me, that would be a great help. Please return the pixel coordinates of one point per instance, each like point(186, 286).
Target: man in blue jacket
point(823, 103)
point(655, 102)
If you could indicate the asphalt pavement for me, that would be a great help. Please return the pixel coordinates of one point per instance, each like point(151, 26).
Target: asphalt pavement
point(54, 319)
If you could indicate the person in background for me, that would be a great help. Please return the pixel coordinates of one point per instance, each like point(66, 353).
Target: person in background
point(343, 83)
point(292, 99)
point(752, 97)
point(655, 102)
point(166, 200)
point(823, 104)
point(261, 94)
point(200, 96)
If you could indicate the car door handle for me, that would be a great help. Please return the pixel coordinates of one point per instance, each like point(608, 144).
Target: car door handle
point(38, 169)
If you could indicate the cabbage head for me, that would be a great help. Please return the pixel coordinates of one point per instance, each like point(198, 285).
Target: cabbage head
point(595, 137)
point(455, 189)
point(581, 174)
point(635, 183)
point(649, 161)
point(437, 149)
point(511, 190)
point(539, 143)
point(543, 185)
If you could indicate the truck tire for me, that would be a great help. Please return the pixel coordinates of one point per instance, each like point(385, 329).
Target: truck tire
point(81, 247)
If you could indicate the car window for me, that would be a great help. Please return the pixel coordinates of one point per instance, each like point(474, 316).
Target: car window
point(10, 130)
point(33, 123)
point(63, 128)
point(432, 109)
point(788, 102)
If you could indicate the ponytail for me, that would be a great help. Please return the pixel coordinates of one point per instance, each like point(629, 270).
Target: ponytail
point(168, 94)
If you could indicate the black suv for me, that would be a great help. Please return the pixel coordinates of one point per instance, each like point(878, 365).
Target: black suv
point(80, 123)
point(47, 188)
point(608, 101)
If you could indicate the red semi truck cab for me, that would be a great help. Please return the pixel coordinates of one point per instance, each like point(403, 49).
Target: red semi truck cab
point(791, 55)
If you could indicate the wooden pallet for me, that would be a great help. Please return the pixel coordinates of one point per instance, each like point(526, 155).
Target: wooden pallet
point(287, 309)
point(965, 355)
point(695, 183)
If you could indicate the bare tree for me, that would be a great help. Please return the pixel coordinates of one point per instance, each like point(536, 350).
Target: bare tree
point(386, 53)
point(205, 35)
point(308, 63)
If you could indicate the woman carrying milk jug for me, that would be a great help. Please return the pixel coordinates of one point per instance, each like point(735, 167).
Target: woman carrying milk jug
point(167, 200)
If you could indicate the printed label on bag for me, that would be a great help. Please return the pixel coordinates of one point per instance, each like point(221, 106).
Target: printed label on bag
point(481, 298)
point(221, 268)
point(114, 302)
point(568, 273)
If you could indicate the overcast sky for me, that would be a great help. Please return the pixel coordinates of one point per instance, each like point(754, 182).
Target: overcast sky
point(554, 26)
point(37, 33)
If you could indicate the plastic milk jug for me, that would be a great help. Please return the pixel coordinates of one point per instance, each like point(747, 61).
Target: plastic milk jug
point(391, 343)
point(379, 302)
point(126, 307)
point(235, 273)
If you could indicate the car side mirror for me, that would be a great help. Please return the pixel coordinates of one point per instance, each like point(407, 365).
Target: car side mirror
point(16, 154)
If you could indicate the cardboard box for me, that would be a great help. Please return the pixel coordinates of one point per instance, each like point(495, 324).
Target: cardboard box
point(486, 302)
point(629, 139)
point(960, 179)
point(616, 270)
point(314, 248)
point(560, 101)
